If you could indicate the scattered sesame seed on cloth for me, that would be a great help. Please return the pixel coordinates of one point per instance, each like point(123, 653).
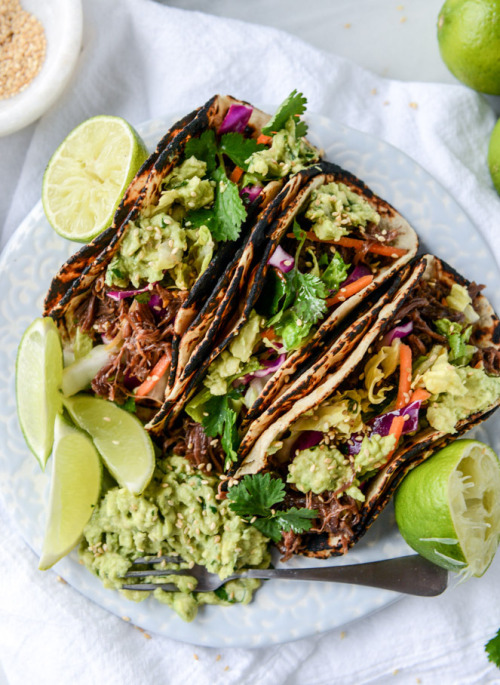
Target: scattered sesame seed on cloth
point(22, 48)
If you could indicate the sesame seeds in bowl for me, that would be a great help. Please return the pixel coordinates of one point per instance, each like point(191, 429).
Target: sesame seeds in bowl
point(40, 42)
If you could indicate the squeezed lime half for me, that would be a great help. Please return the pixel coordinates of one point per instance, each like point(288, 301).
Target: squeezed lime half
point(88, 174)
point(448, 508)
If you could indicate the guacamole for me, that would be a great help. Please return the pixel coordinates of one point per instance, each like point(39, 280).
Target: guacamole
point(322, 468)
point(177, 514)
point(286, 155)
point(160, 241)
point(334, 209)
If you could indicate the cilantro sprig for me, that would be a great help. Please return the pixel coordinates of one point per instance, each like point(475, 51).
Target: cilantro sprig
point(492, 648)
point(254, 499)
point(219, 419)
point(293, 106)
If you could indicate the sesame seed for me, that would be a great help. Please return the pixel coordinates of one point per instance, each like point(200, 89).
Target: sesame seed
point(253, 519)
point(126, 618)
point(115, 442)
point(212, 525)
point(106, 418)
point(218, 657)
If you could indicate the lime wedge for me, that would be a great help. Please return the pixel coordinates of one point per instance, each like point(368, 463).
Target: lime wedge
point(74, 491)
point(39, 368)
point(87, 176)
point(448, 508)
point(120, 438)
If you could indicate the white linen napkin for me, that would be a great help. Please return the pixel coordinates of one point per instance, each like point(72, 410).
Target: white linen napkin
point(141, 60)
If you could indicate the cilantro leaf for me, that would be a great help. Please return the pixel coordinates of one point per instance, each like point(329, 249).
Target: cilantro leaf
point(128, 405)
point(202, 217)
point(254, 498)
point(460, 353)
point(229, 209)
point(269, 527)
point(335, 273)
point(256, 495)
point(238, 148)
point(298, 520)
point(492, 648)
point(294, 105)
point(299, 233)
point(219, 419)
point(203, 148)
point(310, 297)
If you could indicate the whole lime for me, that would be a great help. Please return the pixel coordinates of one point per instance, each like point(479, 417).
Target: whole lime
point(469, 41)
point(494, 156)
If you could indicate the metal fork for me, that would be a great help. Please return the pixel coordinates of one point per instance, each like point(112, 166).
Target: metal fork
point(412, 575)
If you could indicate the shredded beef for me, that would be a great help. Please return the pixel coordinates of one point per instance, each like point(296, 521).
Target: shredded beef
point(337, 514)
point(474, 290)
point(190, 440)
point(143, 336)
point(490, 358)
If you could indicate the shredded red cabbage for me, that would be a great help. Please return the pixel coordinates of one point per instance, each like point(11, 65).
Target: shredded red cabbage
point(122, 294)
point(382, 424)
point(306, 440)
point(281, 260)
point(398, 332)
point(270, 366)
point(358, 272)
point(251, 192)
point(236, 119)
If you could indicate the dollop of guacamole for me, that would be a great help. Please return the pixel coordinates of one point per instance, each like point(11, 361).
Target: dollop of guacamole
point(334, 209)
point(472, 391)
point(178, 514)
point(237, 359)
point(287, 154)
point(321, 468)
point(160, 240)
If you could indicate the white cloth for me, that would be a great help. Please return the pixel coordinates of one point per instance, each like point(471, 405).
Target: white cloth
point(140, 60)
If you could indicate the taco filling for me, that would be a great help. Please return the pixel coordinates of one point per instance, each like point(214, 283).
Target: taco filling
point(309, 275)
point(423, 376)
point(205, 201)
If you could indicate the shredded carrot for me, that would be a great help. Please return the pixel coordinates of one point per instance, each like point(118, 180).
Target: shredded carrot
point(419, 395)
point(269, 334)
point(236, 174)
point(376, 248)
point(396, 429)
point(350, 290)
point(404, 388)
point(158, 371)
point(264, 140)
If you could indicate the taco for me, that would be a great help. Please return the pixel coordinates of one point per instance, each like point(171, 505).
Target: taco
point(177, 238)
point(425, 372)
point(331, 249)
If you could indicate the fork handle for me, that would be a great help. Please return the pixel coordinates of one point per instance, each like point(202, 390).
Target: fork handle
point(411, 575)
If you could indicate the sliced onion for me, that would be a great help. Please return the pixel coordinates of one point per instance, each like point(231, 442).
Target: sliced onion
point(281, 260)
point(156, 305)
point(122, 294)
point(306, 440)
point(251, 192)
point(236, 119)
point(358, 272)
point(397, 332)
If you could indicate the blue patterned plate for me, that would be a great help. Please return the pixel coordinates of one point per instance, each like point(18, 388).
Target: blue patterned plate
point(281, 610)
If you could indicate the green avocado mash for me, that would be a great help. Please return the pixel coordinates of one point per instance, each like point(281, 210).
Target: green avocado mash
point(179, 514)
point(334, 209)
point(323, 468)
point(471, 391)
point(236, 360)
point(286, 155)
point(160, 240)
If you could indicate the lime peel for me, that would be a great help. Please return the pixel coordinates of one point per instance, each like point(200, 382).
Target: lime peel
point(448, 508)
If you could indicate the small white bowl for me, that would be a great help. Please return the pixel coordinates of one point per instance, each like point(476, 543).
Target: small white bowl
point(62, 21)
